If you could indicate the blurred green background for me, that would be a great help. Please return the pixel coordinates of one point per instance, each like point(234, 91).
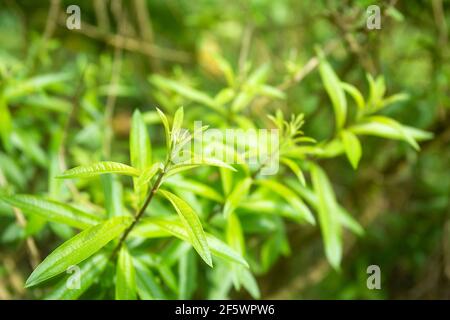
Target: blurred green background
point(401, 197)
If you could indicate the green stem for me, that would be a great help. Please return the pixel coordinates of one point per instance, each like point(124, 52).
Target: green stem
point(141, 211)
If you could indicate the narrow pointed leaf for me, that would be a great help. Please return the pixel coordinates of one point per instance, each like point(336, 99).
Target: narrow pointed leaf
point(78, 248)
point(165, 123)
point(352, 147)
point(290, 197)
point(125, 276)
point(192, 224)
point(99, 168)
point(295, 169)
point(196, 187)
point(52, 210)
point(328, 217)
point(113, 191)
point(140, 151)
point(335, 92)
point(239, 193)
point(90, 271)
point(162, 227)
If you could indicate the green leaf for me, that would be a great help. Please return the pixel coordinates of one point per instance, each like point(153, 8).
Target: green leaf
point(99, 168)
point(5, 124)
point(162, 227)
point(78, 248)
point(90, 271)
point(249, 283)
point(327, 211)
point(149, 173)
point(226, 179)
point(192, 224)
point(386, 131)
point(165, 123)
point(200, 161)
point(177, 124)
point(355, 94)
point(235, 238)
point(147, 284)
point(52, 210)
point(239, 193)
point(34, 84)
point(290, 197)
point(295, 169)
point(185, 91)
point(344, 217)
point(271, 92)
point(28, 144)
point(140, 151)
point(187, 270)
point(125, 276)
point(113, 192)
point(352, 147)
point(196, 187)
point(140, 147)
point(377, 90)
point(396, 126)
point(334, 89)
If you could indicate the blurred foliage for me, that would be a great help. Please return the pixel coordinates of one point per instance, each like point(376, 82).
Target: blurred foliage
point(67, 98)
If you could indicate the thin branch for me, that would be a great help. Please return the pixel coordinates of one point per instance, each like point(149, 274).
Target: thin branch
point(131, 44)
point(141, 212)
point(101, 13)
point(115, 77)
point(33, 251)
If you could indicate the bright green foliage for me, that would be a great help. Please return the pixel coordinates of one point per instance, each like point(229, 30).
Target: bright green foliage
point(215, 225)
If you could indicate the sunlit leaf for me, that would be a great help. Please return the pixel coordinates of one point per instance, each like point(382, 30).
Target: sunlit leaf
point(99, 168)
point(77, 249)
point(5, 124)
point(113, 191)
point(192, 224)
point(52, 210)
point(355, 94)
point(90, 271)
point(295, 169)
point(352, 147)
point(290, 197)
point(159, 227)
point(140, 151)
point(328, 218)
point(147, 286)
point(165, 123)
point(185, 91)
point(34, 84)
point(334, 89)
point(125, 276)
point(196, 187)
point(187, 271)
point(237, 195)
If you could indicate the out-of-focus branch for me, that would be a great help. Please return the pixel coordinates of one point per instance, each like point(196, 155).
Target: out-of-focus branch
point(116, 68)
point(441, 24)
point(145, 26)
point(52, 19)
point(259, 104)
point(101, 13)
point(33, 251)
point(130, 43)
